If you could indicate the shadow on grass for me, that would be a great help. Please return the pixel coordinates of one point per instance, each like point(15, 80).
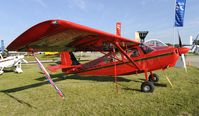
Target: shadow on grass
point(20, 101)
point(55, 79)
point(128, 88)
point(160, 85)
point(27, 86)
point(8, 70)
point(91, 78)
point(132, 89)
point(157, 84)
point(59, 77)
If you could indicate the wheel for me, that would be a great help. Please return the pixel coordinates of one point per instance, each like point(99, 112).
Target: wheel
point(154, 78)
point(1, 72)
point(147, 86)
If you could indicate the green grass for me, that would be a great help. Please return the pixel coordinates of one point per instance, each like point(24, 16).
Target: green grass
point(30, 94)
point(41, 57)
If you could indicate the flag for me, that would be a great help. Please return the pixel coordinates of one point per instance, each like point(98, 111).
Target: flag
point(179, 12)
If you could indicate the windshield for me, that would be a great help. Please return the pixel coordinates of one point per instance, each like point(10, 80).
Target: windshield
point(155, 43)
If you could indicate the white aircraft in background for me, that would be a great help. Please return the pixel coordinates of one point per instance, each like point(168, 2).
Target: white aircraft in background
point(194, 43)
point(12, 61)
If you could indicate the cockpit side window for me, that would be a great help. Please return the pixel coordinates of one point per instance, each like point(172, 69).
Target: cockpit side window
point(146, 49)
point(133, 52)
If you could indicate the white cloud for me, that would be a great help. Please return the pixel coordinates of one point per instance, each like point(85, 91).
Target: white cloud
point(81, 4)
point(42, 3)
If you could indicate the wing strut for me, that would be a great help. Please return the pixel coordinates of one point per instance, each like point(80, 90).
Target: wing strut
point(47, 75)
point(124, 53)
point(115, 70)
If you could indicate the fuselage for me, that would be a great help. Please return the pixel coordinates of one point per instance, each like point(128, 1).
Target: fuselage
point(7, 62)
point(147, 58)
point(10, 61)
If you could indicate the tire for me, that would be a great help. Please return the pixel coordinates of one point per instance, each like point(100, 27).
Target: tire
point(154, 78)
point(147, 87)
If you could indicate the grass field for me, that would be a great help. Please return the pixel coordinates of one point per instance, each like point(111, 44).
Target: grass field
point(30, 94)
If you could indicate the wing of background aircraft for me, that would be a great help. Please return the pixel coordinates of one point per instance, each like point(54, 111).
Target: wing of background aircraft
point(60, 35)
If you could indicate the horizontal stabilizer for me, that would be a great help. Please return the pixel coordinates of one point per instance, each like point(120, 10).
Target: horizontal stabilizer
point(58, 67)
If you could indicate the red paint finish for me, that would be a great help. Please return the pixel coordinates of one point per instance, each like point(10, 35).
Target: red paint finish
point(65, 59)
point(51, 36)
point(157, 59)
point(60, 35)
point(122, 55)
point(118, 28)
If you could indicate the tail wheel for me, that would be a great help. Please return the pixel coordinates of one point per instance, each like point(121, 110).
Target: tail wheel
point(147, 86)
point(154, 78)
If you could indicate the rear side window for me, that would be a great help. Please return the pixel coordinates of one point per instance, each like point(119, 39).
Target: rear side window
point(133, 52)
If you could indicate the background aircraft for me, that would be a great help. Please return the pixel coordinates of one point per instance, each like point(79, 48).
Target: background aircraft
point(195, 45)
point(12, 61)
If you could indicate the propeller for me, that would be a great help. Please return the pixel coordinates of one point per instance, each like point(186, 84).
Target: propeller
point(20, 59)
point(182, 51)
point(25, 61)
point(194, 43)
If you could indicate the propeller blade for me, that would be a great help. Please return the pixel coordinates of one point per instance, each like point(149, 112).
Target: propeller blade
point(25, 61)
point(184, 62)
point(179, 38)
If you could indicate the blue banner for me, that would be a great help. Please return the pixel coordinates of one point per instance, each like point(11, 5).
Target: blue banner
point(179, 12)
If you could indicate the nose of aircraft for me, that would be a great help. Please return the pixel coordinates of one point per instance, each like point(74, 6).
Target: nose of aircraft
point(183, 50)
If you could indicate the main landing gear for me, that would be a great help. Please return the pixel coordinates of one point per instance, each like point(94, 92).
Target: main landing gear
point(148, 86)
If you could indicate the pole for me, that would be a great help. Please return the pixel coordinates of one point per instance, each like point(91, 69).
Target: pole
point(174, 23)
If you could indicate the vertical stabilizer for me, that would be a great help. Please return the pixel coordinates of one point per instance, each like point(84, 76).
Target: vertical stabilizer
point(118, 28)
point(66, 59)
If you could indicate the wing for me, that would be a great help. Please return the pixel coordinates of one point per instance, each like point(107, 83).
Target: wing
point(60, 35)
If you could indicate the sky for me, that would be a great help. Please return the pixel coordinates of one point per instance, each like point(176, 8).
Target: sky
point(155, 16)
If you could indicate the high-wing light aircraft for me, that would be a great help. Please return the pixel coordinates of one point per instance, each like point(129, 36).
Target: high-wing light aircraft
point(12, 61)
point(122, 56)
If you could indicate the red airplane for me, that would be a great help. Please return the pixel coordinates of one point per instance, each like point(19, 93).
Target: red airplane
point(122, 56)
